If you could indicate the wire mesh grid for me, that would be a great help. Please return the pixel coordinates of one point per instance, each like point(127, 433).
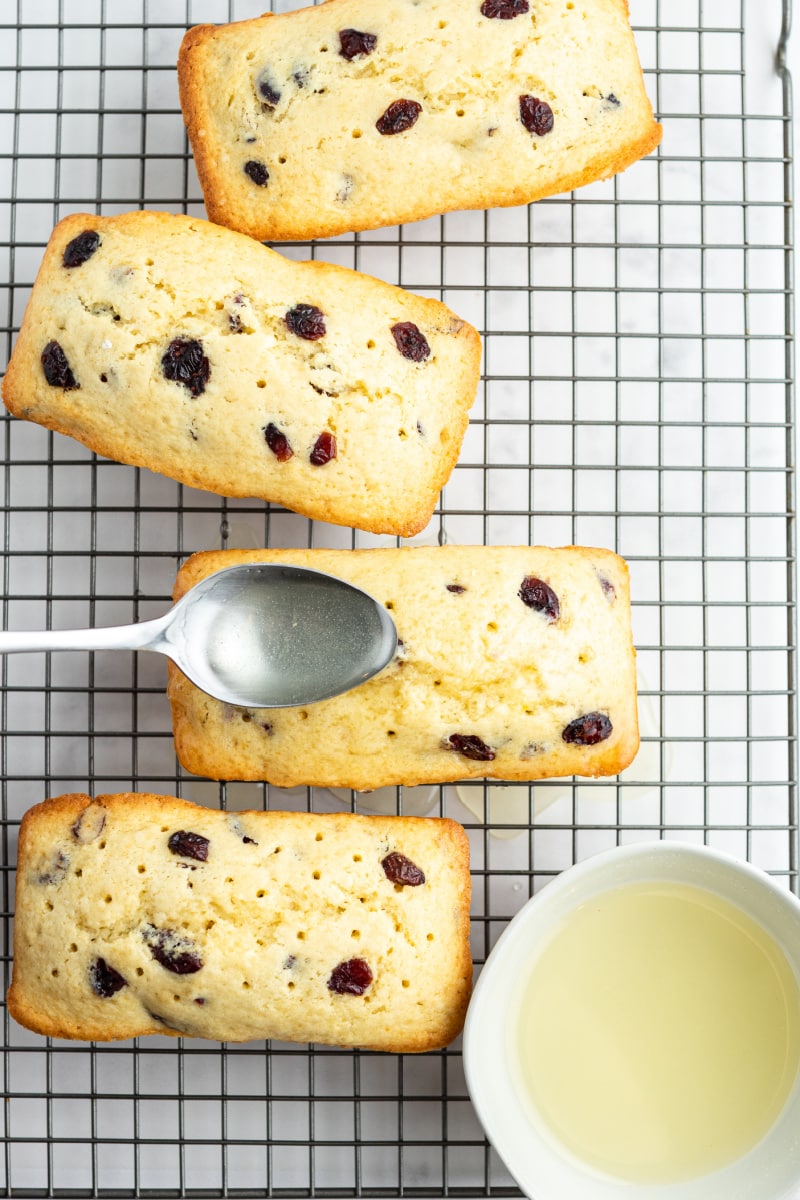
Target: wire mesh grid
point(637, 394)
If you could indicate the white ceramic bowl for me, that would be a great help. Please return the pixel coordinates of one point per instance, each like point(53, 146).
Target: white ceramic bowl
point(544, 1170)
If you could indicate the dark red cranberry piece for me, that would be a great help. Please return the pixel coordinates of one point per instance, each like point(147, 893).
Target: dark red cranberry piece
point(400, 869)
point(90, 824)
point(352, 977)
point(410, 341)
point(456, 588)
point(306, 321)
point(354, 44)
point(471, 746)
point(57, 370)
point(278, 443)
point(609, 591)
point(172, 1024)
point(189, 845)
point(257, 172)
point(234, 323)
point(504, 10)
point(184, 362)
point(175, 953)
point(324, 450)
point(588, 730)
point(57, 871)
point(536, 115)
point(537, 595)
point(104, 980)
point(81, 248)
point(180, 962)
point(399, 116)
point(267, 90)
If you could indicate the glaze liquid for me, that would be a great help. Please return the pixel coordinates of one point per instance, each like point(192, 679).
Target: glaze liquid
point(659, 1033)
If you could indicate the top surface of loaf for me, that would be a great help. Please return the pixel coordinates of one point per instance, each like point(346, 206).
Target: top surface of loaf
point(361, 113)
point(194, 351)
point(513, 661)
point(146, 914)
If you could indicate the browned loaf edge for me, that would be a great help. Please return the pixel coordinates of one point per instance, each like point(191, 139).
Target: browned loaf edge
point(78, 859)
point(392, 205)
point(498, 672)
point(364, 496)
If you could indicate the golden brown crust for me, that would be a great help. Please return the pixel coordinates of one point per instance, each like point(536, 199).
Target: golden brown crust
point(471, 663)
point(154, 277)
point(62, 918)
point(387, 187)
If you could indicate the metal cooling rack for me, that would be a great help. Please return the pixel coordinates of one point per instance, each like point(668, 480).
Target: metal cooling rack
point(637, 395)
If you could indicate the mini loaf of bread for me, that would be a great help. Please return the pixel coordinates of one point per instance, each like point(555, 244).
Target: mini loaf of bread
point(144, 914)
point(513, 662)
point(169, 343)
point(360, 113)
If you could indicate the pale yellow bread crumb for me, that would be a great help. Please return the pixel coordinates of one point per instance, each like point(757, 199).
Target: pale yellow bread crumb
point(277, 92)
point(281, 900)
point(155, 278)
point(475, 662)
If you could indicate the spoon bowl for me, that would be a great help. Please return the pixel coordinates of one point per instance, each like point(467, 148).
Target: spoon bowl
point(270, 636)
point(257, 635)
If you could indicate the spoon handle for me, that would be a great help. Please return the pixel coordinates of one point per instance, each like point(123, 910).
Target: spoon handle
point(142, 636)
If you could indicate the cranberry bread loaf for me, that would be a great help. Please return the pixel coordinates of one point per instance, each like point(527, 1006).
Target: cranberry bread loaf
point(144, 914)
point(361, 113)
point(514, 662)
point(167, 342)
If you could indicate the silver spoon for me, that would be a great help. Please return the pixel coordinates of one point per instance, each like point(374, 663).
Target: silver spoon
point(260, 635)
